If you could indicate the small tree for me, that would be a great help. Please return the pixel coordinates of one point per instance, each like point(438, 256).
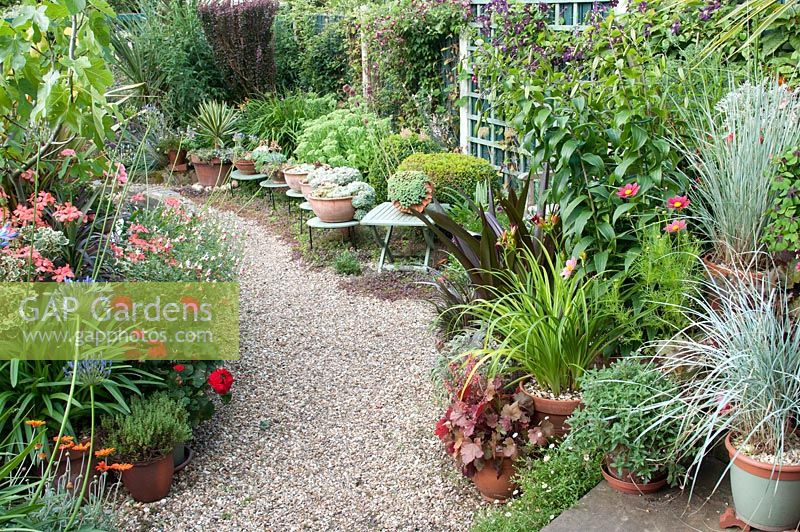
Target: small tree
point(240, 34)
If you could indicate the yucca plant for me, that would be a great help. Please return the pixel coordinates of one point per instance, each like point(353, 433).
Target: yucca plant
point(216, 122)
point(737, 139)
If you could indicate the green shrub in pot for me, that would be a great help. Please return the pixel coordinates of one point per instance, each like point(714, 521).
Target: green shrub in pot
point(451, 171)
point(408, 189)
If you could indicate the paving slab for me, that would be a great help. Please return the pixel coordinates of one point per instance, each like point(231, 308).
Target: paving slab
point(604, 509)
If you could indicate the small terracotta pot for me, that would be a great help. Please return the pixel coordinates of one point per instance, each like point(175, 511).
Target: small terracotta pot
point(629, 486)
point(305, 188)
point(246, 166)
point(211, 173)
point(277, 175)
point(496, 485)
point(419, 207)
point(556, 411)
point(333, 210)
point(176, 157)
point(293, 179)
point(71, 468)
point(150, 481)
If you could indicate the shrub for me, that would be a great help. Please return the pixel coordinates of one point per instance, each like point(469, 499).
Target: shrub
point(345, 137)
point(154, 427)
point(391, 152)
point(324, 66)
point(783, 229)
point(408, 188)
point(347, 264)
point(216, 124)
point(451, 170)
point(240, 33)
point(281, 118)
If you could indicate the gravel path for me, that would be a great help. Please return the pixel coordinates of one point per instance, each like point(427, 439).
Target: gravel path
point(331, 423)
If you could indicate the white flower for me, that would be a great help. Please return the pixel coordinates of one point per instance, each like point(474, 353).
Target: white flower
point(546, 458)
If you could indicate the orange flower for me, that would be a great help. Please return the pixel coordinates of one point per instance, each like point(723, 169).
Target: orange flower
point(65, 439)
point(38, 446)
point(66, 446)
point(81, 447)
point(35, 423)
point(102, 466)
point(120, 467)
point(102, 453)
point(42, 456)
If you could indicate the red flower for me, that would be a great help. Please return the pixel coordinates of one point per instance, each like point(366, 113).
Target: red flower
point(678, 202)
point(179, 367)
point(628, 191)
point(221, 381)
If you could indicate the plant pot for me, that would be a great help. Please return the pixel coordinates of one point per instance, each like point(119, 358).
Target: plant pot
point(71, 468)
point(278, 177)
point(627, 484)
point(765, 496)
point(150, 481)
point(419, 207)
point(332, 210)
point(182, 457)
point(246, 166)
point(496, 485)
point(293, 179)
point(176, 157)
point(555, 410)
point(305, 188)
point(211, 173)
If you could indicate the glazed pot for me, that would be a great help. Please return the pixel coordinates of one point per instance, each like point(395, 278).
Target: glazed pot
point(765, 496)
point(150, 481)
point(211, 173)
point(182, 457)
point(629, 484)
point(246, 166)
point(293, 179)
point(555, 410)
point(332, 210)
point(176, 157)
point(419, 207)
point(496, 485)
point(305, 188)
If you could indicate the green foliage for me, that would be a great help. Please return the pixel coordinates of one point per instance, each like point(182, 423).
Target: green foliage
point(287, 50)
point(345, 137)
point(280, 118)
point(347, 264)
point(783, 231)
point(621, 402)
point(216, 123)
point(408, 188)
point(548, 488)
point(451, 171)
point(189, 386)
point(324, 65)
point(154, 427)
point(392, 151)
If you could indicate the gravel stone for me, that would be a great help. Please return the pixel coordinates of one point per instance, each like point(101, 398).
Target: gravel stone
point(331, 423)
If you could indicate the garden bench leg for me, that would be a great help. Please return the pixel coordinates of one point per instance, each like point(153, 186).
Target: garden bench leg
point(385, 250)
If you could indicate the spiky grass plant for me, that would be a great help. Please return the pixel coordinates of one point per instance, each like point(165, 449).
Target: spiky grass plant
point(216, 122)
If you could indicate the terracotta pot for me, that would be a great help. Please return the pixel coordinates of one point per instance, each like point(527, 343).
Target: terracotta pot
point(211, 173)
point(419, 207)
point(332, 210)
point(176, 157)
point(293, 179)
point(765, 496)
point(496, 485)
point(246, 166)
point(182, 457)
point(556, 411)
point(305, 188)
point(71, 467)
point(278, 176)
point(150, 481)
point(627, 484)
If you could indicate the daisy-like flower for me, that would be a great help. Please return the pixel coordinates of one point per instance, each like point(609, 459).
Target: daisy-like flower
point(35, 423)
point(66, 439)
point(137, 197)
point(569, 267)
point(678, 202)
point(675, 226)
point(102, 453)
point(102, 466)
point(120, 467)
point(628, 191)
point(80, 447)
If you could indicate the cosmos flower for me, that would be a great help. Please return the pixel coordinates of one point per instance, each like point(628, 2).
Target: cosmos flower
point(675, 226)
point(628, 191)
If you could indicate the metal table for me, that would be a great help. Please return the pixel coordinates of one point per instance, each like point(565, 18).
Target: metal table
point(270, 187)
point(302, 208)
point(387, 215)
point(239, 176)
point(316, 223)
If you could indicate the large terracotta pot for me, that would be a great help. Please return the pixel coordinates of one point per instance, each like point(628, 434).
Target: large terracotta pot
point(150, 481)
point(496, 485)
point(211, 173)
point(556, 411)
point(332, 210)
point(293, 179)
point(246, 166)
point(765, 496)
point(629, 484)
point(305, 188)
point(176, 157)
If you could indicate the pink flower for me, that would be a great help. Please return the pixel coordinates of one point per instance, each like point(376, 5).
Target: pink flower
point(67, 213)
point(67, 152)
point(797, 267)
point(137, 197)
point(678, 202)
point(62, 274)
point(675, 226)
point(628, 191)
point(28, 175)
point(729, 138)
point(569, 268)
point(172, 202)
point(122, 174)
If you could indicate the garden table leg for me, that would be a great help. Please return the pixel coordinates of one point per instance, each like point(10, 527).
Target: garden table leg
point(272, 198)
point(429, 244)
point(385, 250)
point(353, 237)
point(310, 239)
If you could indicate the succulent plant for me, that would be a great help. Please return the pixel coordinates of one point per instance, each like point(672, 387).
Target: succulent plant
point(267, 161)
point(408, 188)
point(362, 193)
point(342, 175)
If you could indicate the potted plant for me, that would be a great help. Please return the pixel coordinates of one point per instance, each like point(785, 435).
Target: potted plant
point(295, 174)
point(147, 438)
point(548, 323)
point(243, 153)
point(172, 146)
point(741, 383)
point(212, 165)
point(215, 126)
point(486, 428)
point(410, 191)
point(269, 163)
point(338, 194)
point(621, 403)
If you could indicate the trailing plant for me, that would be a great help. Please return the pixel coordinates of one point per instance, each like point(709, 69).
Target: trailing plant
point(408, 188)
point(621, 402)
point(324, 65)
point(392, 151)
point(240, 34)
point(151, 431)
point(280, 118)
point(448, 171)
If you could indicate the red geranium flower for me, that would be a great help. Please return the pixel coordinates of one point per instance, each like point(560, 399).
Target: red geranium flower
point(221, 381)
point(179, 367)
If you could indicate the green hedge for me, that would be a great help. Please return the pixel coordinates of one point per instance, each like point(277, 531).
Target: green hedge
point(394, 149)
point(451, 170)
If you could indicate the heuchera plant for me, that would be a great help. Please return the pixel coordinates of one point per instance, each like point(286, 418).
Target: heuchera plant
point(485, 423)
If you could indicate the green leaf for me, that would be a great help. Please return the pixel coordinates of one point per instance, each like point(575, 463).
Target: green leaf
point(622, 167)
point(593, 160)
point(622, 209)
point(600, 261)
